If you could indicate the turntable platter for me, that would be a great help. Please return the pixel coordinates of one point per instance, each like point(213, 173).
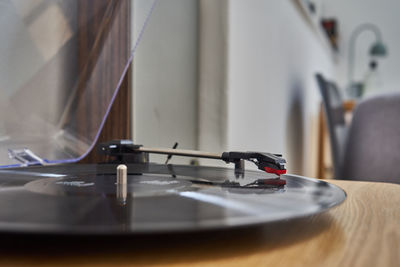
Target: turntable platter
point(84, 199)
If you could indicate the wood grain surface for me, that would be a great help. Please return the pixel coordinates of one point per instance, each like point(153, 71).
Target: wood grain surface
point(101, 16)
point(363, 231)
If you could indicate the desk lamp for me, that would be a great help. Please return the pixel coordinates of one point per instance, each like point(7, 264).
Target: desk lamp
point(378, 49)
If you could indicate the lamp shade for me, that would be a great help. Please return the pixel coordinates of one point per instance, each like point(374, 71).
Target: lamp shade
point(378, 49)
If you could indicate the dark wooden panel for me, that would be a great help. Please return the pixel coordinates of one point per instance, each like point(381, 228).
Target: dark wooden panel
point(118, 124)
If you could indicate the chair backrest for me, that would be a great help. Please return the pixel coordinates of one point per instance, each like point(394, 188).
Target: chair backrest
point(334, 114)
point(373, 145)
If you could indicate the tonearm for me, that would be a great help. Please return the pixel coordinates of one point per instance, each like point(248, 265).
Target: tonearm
point(125, 151)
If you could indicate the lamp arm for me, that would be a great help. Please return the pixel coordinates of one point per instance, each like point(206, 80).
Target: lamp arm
point(361, 28)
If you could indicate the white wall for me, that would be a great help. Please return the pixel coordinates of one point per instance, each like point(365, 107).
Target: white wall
point(273, 97)
point(384, 14)
point(165, 76)
point(271, 94)
point(212, 76)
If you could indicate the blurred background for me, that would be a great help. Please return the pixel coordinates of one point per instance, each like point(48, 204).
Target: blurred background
point(314, 80)
point(241, 75)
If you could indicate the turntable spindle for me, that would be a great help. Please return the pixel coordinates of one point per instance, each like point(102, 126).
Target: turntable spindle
point(122, 189)
point(122, 171)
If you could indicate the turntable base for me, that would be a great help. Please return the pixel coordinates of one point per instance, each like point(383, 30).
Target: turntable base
point(363, 231)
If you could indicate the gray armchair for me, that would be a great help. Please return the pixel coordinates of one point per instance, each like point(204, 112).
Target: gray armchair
point(373, 146)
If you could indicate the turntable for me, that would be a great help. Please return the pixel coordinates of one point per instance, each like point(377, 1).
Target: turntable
point(44, 191)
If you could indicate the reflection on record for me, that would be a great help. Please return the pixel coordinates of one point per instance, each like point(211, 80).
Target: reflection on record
point(86, 199)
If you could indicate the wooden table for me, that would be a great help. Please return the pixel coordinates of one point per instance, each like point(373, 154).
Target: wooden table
point(363, 231)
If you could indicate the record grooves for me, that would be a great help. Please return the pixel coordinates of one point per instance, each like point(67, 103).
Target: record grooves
point(85, 199)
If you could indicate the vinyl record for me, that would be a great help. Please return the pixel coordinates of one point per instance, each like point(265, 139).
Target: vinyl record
point(85, 199)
